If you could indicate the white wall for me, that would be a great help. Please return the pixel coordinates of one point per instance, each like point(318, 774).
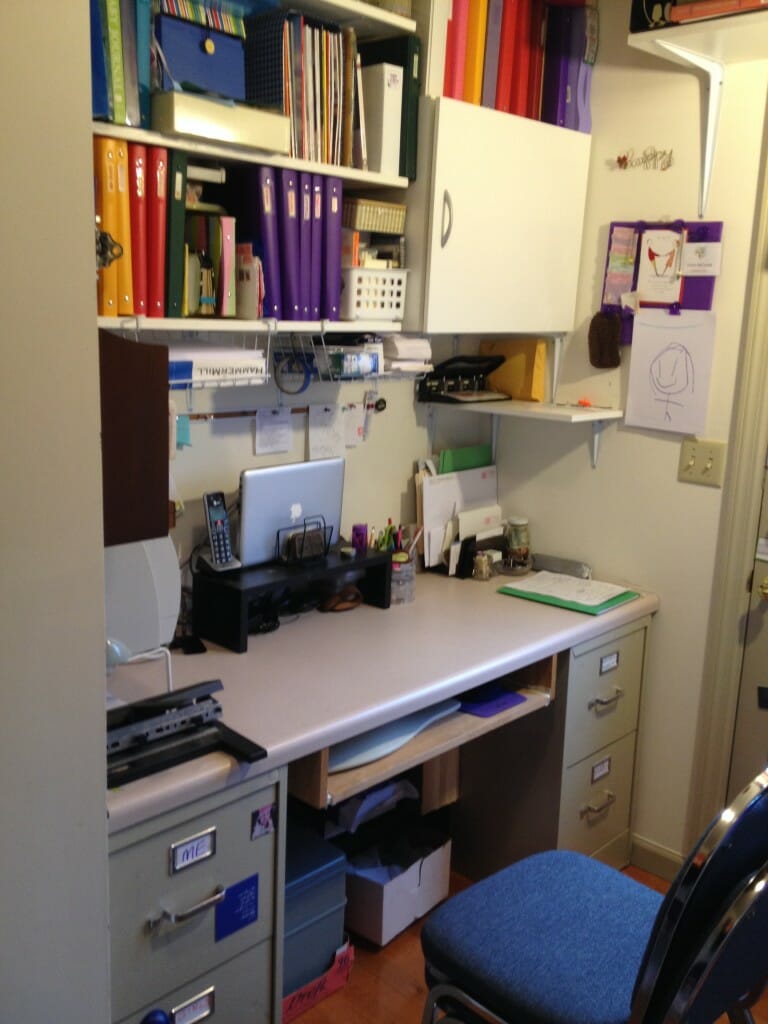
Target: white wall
point(53, 855)
point(630, 517)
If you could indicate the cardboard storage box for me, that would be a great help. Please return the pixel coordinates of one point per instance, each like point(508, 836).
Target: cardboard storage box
point(313, 992)
point(379, 910)
point(184, 113)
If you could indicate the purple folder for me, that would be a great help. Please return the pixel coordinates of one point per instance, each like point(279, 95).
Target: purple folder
point(288, 219)
point(270, 241)
point(697, 292)
point(554, 86)
point(305, 242)
point(316, 247)
point(330, 302)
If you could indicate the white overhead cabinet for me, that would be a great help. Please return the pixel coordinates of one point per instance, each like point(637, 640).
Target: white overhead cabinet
point(494, 222)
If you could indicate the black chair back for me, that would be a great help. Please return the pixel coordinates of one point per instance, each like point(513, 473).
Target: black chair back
point(729, 853)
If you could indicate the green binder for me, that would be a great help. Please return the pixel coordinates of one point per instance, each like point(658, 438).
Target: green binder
point(174, 251)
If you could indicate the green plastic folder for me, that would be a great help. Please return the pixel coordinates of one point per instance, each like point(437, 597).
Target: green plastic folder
point(575, 606)
point(454, 460)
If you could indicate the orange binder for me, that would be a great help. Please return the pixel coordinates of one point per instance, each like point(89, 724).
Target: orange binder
point(137, 193)
point(105, 188)
point(506, 56)
point(124, 264)
point(474, 60)
point(157, 202)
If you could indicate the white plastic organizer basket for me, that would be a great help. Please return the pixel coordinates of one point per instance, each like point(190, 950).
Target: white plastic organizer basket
point(372, 294)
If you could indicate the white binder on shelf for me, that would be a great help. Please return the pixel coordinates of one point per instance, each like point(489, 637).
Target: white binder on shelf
point(383, 98)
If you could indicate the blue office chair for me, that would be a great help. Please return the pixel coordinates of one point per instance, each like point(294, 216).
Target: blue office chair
point(559, 938)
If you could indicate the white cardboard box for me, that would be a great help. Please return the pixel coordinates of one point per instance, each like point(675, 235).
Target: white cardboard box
point(383, 108)
point(379, 911)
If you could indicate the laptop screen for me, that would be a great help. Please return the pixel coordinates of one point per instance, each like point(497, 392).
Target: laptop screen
point(278, 500)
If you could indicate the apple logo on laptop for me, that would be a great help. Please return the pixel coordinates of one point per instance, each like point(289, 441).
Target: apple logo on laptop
point(296, 511)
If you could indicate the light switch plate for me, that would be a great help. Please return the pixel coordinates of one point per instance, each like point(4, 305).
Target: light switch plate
point(702, 462)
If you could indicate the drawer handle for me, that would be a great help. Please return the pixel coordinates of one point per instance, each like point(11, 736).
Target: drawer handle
point(180, 916)
point(610, 798)
point(446, 228)
point(606, 702)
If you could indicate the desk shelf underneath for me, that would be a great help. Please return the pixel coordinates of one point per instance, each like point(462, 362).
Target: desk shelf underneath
point(436, 750)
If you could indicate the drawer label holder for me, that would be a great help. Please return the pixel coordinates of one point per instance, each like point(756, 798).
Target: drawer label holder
point(192, 850)
point(197, 1008)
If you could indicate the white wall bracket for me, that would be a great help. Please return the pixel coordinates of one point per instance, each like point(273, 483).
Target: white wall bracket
point(712, 83)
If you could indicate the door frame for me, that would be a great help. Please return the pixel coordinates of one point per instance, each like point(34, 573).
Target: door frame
point(739, 522)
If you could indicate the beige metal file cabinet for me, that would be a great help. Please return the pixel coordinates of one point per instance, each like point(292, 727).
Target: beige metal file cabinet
point(604, 683)
point(196, 916)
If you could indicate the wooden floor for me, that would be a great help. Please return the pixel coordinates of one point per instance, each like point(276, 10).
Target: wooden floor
point(386, 985)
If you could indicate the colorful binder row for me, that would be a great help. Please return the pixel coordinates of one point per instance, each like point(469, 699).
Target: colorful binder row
point(177, 261)
point(293, 221)
point(172, 263)
point(526, 57)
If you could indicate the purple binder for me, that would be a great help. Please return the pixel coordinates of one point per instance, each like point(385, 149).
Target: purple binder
point(567, 78)
point(554, 86)
point(330, 304)
point(316, 248)
point(288, 219)
point(697, 292)
point(305, 242)
point(270, 241)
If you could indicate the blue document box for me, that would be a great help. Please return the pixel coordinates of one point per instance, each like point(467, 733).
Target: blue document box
point(208, 60)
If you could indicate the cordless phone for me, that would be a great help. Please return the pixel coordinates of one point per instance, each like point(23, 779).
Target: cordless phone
point(217, 521)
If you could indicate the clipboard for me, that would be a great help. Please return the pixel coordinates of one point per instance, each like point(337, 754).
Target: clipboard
point(696, 292)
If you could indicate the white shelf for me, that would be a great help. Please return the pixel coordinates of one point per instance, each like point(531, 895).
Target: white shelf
point(367, 20)
point(547, 411)
point(708, 46)
point(729, 39)
point(230, 325)
point(245, 155)
point(555, 412)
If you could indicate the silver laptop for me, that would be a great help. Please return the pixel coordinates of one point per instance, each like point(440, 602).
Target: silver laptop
point(278, 500)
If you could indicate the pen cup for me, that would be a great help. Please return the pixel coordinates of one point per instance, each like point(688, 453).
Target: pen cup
point(360, 538)
point(403, 587)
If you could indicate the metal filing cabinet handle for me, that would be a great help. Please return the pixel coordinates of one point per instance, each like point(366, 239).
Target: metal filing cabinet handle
point(178, 917)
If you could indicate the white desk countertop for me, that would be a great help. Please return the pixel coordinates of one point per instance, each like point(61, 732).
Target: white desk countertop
point(322, 678)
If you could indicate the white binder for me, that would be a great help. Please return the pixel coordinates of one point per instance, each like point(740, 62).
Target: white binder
point(383, 99)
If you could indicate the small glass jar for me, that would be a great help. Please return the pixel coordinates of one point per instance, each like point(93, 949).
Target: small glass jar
point(403, 586)
point(518, 542)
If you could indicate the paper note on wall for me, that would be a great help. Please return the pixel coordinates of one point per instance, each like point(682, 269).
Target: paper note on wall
point(273, 431)
point(670, 370)
point(326, 432)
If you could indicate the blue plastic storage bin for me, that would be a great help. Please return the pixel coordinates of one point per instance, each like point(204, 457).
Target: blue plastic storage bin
point(315, 900)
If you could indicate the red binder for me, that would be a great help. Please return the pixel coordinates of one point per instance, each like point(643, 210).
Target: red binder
point(456, 60)
point(506, 56)
point(137, 184)
point(522, 59)
point(536, 68)
point(157, 204)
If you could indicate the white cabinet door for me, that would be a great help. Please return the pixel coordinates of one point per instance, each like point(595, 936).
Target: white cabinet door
point(502, 238)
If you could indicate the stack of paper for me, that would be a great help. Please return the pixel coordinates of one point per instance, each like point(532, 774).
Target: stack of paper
point(406, 355)
point(580, 595)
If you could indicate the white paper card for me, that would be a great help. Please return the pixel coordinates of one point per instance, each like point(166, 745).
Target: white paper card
point(273, 431)
point(701, 259)
point(354, 424)
point(670, 369)
point(326, 432)
point(658, 278)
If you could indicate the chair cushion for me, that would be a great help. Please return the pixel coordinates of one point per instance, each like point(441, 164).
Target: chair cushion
point(555, 938)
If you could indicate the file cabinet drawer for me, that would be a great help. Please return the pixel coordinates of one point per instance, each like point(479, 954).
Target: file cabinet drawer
point(596, 796)
point(191, 890)
point(603, 693)
point(239, 990)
